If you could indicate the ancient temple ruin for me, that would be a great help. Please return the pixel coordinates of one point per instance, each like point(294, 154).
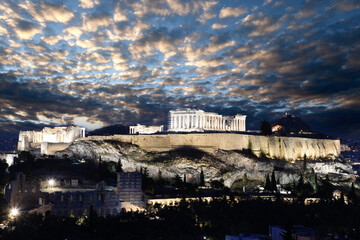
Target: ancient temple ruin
point(193, 120)
point(57, 135)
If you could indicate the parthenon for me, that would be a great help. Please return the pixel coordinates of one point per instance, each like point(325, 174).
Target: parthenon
point(193, 120)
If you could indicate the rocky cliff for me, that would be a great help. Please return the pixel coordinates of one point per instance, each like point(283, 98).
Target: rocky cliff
point(221, 165)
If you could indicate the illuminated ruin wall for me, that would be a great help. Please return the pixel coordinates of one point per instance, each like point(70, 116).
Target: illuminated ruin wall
point(33, 139)
point(287, 148)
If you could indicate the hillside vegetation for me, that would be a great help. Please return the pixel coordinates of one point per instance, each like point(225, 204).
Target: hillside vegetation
point(226, 166)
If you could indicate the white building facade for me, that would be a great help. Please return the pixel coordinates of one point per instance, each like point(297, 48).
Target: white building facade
point(193, 120)
point(142, 129)
point(29, 139)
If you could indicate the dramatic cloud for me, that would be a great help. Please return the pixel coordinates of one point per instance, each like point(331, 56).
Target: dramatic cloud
point(218, 26)
point(232, 12)
point(93, 63)
point(88, 3)
point(24, 29)
point(43, 12)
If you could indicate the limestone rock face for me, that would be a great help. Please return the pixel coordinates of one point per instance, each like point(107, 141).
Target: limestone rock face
point(222, 165)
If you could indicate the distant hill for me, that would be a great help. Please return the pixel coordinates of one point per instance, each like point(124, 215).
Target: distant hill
point(110, 130)
point(290, 123)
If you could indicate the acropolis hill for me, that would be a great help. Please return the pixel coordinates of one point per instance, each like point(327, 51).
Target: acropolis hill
point(197, 129)
point(286, 148)
point(190, 128)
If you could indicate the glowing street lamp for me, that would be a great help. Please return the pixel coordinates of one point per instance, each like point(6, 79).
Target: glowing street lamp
point(14, 212)
point(51, 182)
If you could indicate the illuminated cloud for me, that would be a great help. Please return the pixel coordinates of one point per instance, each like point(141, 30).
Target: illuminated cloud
point(44, 11)
point(25, 29)
point(207, 11)
point(261, 24)
point(3, 31)
point(93, 22)
point(218, 26)
point(145, 7)
point(181, 8)
point(232, 12)
point(346, 5)
point(88, 123)
point(52, 40)
point(88, 3)
point(120, 14)
point(74, 31)
point(95, 63)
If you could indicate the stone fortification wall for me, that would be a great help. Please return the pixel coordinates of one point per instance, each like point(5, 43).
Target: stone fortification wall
point(50, 148)
point(33, 139)
point(288, 148)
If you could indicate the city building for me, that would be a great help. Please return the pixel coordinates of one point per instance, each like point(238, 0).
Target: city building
point(129, 188)
point(80, 201)
point(193, 120)
point(63, 197)
point(74, 196)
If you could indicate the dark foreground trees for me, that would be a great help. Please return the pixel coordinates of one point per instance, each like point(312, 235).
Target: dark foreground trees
point(194, 220)
point(265, 128)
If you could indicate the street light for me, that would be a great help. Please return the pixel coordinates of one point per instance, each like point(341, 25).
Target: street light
point(51, 182)
point(14, 212)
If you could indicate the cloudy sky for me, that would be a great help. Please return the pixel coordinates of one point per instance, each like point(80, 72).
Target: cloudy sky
point(93, 63)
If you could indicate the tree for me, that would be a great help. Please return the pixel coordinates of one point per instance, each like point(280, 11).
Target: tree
point(160, 180)
point(245, 179)
point(216, 184)
point(4, 176)
point(202, 178)
point(304, 164)
point(159, 175)
point(313, 180)
point(352, 195)
point(267, 185)
point(326, 189)
point(177, 181)
point(147, 182)
point(273, 182)
point(100, 170)
point(266, 128)
point(341, 199)
point(119, 166)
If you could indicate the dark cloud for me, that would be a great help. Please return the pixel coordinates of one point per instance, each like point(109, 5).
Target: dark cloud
point(131, 62)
